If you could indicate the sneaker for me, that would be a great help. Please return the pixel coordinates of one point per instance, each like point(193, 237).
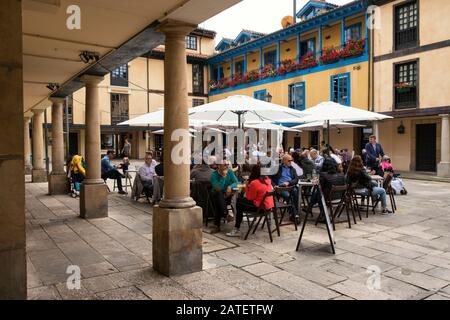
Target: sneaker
point(122, 192)
point(386, 211)
point(234, 233)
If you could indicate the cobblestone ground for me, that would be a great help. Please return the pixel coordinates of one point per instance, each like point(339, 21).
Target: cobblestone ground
point(411, 247)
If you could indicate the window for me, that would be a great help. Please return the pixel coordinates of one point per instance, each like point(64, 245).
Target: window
point(215, 70)
point(119, 76)
point(340, 89)
point(119, 108)
point(197, 79)
point(239, 67)
point(308, 46)
point(406, 25)
point(352, 32)
point(270, 57)
point(260, 95)
point(107, 141)
point(191, 42)
point(405, 87)
point(197, 102)
point(297, 96)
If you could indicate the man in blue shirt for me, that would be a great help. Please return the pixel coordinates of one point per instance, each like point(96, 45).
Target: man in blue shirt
point(287, 177)
point(110, 172)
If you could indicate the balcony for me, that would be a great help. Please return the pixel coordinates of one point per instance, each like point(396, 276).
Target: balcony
point(310, 62)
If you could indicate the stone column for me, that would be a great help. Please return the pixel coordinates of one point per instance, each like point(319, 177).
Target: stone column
point(376, 132)
point(27, 145)
point(177, 222)
point(13, 269)
point(57, 180)
point(443, 169)
point(39, 174)
point(93, 195)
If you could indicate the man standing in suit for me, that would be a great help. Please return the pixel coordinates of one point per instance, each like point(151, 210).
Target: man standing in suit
point(374, 154)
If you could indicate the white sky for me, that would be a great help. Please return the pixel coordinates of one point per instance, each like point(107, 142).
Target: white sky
point(258, 15)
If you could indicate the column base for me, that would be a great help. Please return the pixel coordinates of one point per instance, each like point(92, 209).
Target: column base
point(57, 184)
point(93, 201)
point(177, 240)
point(443, 170)
point(28, 169)
point(13, 274)
point(38, 175)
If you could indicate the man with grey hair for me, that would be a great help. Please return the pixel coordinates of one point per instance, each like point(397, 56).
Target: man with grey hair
point(316, 158)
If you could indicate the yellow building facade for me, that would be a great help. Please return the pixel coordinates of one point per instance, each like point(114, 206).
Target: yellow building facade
point(323, 57)
point(411, 55)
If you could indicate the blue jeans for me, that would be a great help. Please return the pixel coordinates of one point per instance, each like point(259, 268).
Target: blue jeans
point(380, 193)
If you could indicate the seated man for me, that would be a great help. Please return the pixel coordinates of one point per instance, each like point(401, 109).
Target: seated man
point(316, 158)
point(287, 177)
point(223, 181)
point(147, 172)
point(202, 172)
point(110, 172)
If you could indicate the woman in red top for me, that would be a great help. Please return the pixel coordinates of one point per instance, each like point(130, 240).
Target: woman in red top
point(255, 191)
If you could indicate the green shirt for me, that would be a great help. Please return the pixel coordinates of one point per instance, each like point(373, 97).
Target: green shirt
point(220, 182)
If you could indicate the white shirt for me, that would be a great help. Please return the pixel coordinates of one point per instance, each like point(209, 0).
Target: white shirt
point(147, 172)
point(297, 169)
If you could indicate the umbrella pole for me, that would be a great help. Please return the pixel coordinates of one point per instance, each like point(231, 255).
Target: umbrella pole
point(239, 120)
point(328, 132)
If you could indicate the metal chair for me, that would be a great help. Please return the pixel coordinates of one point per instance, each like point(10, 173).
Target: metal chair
point(261, 213)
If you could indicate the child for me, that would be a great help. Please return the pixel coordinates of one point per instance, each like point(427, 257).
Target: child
point(125, 164)
point(386, 165)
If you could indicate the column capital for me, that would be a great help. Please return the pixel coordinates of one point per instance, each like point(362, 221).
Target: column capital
point(57, 100)
point(91, 80)
point(445, 115)
point(37, 111)
point(175, 28)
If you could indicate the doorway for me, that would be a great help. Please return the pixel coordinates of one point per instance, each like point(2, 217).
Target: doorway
point(426, 147)
point(73, 143)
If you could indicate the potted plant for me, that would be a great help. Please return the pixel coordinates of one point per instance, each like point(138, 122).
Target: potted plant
point(330, 55)
point(403, 87)
point(307, 61)
point(354, 48)
point(212, 85)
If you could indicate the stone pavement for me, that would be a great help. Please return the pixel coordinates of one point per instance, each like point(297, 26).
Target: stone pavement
point(411, 248)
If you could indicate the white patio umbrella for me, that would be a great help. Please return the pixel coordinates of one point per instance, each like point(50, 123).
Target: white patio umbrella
point(156, 119)
point(271, 126)
point(332, 111)
point(313, 126)
point(234, 108)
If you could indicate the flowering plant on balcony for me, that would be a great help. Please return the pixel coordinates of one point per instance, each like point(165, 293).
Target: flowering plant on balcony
point(268, 71)
point(223, 83)
point(250, 76)
point(236, 80)
point(212, 85)
point(354, 47)
point(307, 61)
point(402, 87)
point(330, 55)
point(287, 66)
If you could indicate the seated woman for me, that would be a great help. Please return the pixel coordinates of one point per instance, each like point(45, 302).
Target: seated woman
point(223, 181)
point(329, 177)
point(356, 174)
point(255, 190)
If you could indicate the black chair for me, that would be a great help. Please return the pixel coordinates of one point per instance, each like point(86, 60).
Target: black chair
point(201, 193)
point(337, 200)
point(389, 192)
point(261, 213)
point(283, 206)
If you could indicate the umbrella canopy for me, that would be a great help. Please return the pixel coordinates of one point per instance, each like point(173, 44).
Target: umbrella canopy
point(235, 109)
point(156, 119)
point(271, 126)
point(313, 126)
point(332, 111)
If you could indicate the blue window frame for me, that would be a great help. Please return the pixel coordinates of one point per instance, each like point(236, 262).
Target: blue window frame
point(215, 70)
point(297, 96)
point(239, 67)
point(270, 57)
point(308, 46)
point(340, 88)
point(352, 32)
point(260, 95)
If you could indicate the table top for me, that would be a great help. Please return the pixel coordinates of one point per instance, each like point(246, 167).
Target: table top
point(376, 177)
point(306, 183)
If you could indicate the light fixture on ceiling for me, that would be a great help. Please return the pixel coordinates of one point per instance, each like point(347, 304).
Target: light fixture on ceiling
point(52, 86)
point(88, 56)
